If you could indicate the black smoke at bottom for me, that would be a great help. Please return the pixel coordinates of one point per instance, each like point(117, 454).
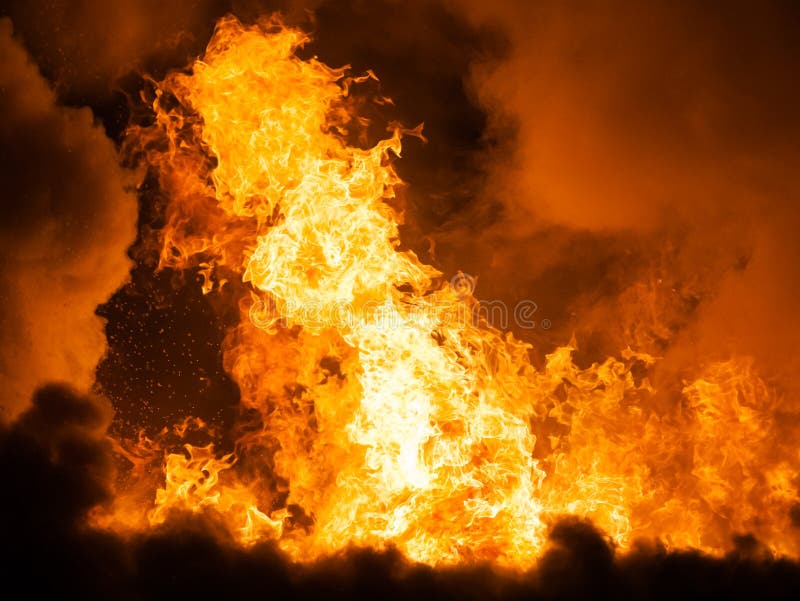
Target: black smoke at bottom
point(57, 464)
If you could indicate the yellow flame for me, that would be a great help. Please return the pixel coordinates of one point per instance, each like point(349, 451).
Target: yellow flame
point(385, 415)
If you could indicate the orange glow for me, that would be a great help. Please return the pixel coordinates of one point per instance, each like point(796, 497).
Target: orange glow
point(377, 414)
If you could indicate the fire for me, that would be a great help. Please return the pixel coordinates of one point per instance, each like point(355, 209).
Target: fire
point(375, 411)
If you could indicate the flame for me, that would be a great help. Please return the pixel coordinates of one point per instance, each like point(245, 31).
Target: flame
point(376, 411)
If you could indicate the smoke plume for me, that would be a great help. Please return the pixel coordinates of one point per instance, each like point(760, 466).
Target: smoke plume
point(67, 220)
point(649, 177)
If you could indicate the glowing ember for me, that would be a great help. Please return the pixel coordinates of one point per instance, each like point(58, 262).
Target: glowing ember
point(377, 413)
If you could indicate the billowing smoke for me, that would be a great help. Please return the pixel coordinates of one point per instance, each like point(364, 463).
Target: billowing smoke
point(67, 218)
point(650, 177)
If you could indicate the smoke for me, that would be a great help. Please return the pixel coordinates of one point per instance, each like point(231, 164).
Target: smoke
point(66, 222)
point(86, 46)
point(633, 114)
point(647, 193)
point(57, 449)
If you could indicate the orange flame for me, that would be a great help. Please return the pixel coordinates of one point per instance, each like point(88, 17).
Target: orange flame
point(380, 414)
